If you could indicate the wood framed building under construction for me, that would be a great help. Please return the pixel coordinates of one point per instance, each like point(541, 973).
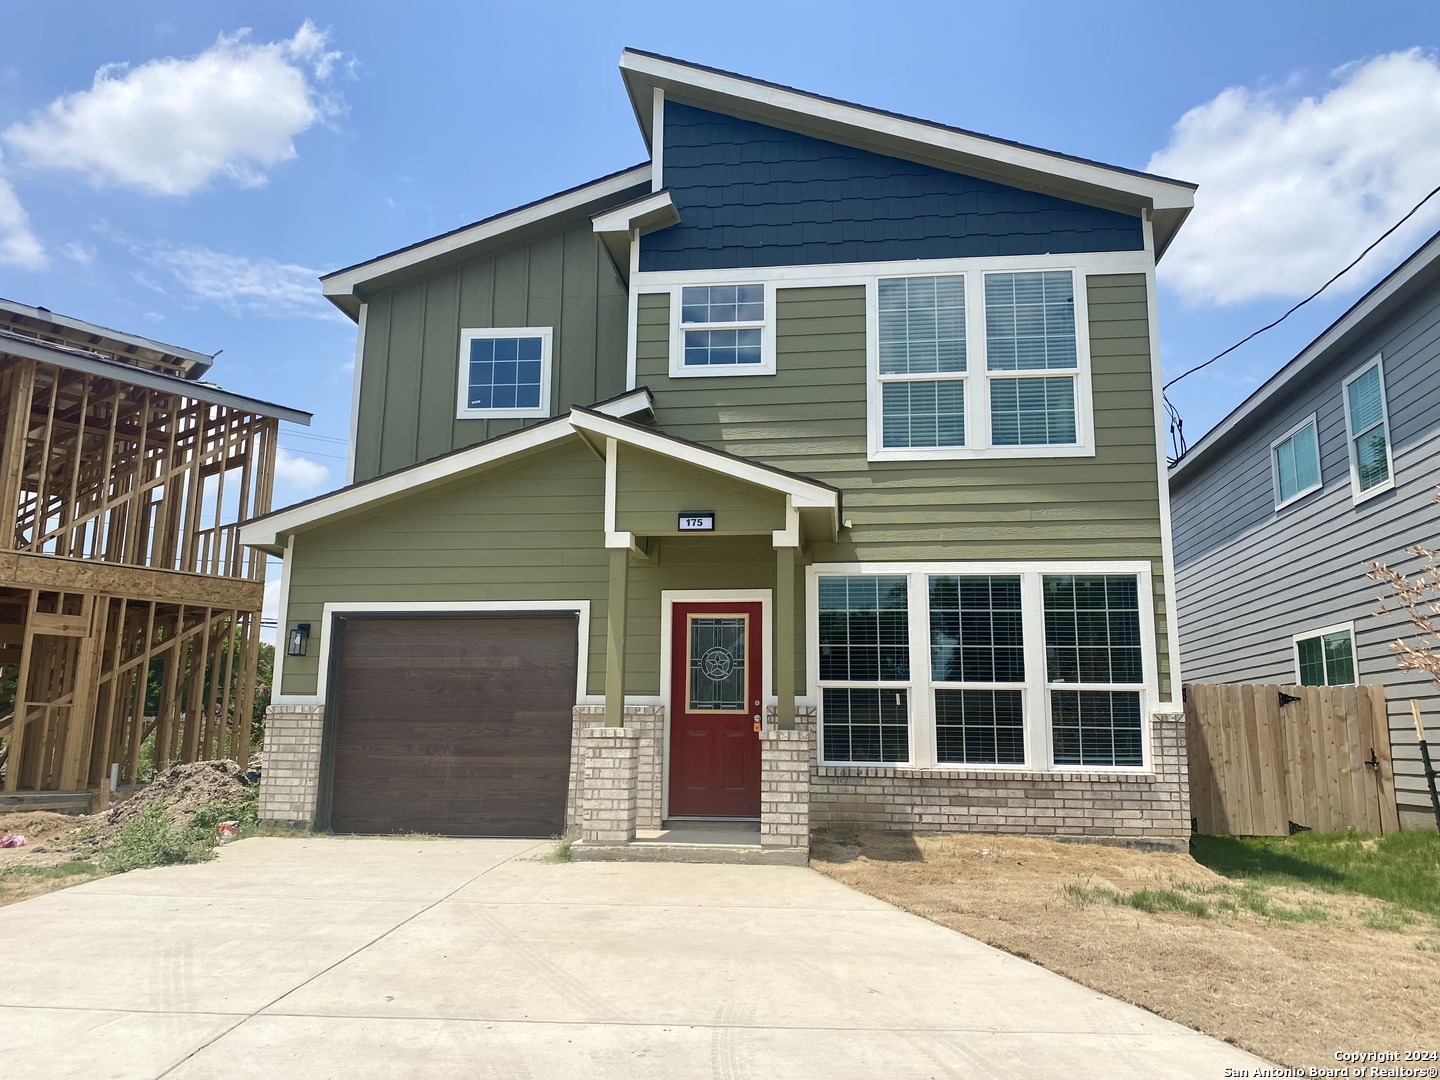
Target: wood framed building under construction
point(123, 478)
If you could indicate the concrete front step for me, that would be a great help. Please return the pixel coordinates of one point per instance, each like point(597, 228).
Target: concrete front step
point(736, 843)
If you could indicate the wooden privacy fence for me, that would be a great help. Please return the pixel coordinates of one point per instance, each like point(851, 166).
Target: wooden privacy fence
point(1263, 757)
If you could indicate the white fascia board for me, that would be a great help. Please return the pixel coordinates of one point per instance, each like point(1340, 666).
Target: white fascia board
point(803, 493)
point(268, 533)
point(1151, 192)
point(345, 282)
point(1376, 300)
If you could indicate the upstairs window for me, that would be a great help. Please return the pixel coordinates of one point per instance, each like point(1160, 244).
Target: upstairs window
point(1326, 657)
point(722, 330)
point(1368, 424)
point(979, 363)
point(1295, 463)
point(504, 372)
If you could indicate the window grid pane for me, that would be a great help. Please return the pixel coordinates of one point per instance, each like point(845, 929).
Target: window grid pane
point(980, 727)
point(1365, 402)
point(721, 348)
point(922, 325)
point(1372, 463)
point(1339, 659)
point(1096, 727)
point(722, 304)
point(864, 629)
point(505, 373)
point(1092, 630)
point(1030, 321)
point(1033, 412)
point(865, 724)
point(1311, 656)
point(923, 414)
point(977, 631)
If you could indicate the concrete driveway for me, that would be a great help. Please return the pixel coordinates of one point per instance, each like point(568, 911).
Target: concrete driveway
point(328, 957)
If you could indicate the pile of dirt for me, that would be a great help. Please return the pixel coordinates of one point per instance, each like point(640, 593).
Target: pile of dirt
point(41, 828)
point(180, 792)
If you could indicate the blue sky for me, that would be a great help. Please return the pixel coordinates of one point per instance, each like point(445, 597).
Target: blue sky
point(195, 191)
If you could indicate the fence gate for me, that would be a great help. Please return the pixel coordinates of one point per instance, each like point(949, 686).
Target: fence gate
point(1263, 756)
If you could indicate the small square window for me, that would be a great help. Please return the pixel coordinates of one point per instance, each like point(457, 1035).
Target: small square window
point(721, 330)
point(504, 373)
point(1326, 657)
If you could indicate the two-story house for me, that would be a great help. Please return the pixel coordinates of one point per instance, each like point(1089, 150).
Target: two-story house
point(1332, 464)
point(808, 472)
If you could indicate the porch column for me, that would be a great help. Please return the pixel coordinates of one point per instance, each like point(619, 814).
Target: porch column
point(785, 638)
point(615, 638)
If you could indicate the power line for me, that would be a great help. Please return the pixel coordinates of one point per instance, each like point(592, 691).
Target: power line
point(1270, 326)
point(305, 450)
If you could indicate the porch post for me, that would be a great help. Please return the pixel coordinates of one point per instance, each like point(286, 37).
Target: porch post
point(615, 638)
point(785, 638)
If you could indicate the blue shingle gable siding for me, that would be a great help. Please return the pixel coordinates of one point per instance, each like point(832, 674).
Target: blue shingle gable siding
point(752, 195)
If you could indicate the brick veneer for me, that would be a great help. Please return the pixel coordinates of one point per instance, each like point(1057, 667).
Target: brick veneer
point(648, 724)
point(1139, 808)
point(611, 771)
point(785, 758)
point(290, 779)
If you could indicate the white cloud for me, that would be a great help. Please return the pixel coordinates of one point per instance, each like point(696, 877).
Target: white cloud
point(300, 473)
point(170, 126)
point(84, 254)
point(18, 245)
point(240, 285)
point(1291, 191)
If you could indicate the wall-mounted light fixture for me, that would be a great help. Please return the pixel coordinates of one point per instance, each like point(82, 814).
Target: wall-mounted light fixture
point(298, 637)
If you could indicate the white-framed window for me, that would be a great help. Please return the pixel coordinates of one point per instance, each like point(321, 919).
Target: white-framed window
point(1036, 666)
point(504, 372)
point(722, 329)
point(1326, 657)
point(1295, 462)
point(979, 363)
point(1367, 423)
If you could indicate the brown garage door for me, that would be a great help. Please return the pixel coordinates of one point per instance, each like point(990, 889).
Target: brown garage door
point(453, 726)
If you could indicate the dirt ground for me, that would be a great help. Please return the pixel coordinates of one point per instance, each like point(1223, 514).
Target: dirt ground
point(1293, 991)
point(59, 840)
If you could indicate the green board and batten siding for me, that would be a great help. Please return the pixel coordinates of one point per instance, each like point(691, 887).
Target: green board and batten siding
point(561, 279)
point(810, 418)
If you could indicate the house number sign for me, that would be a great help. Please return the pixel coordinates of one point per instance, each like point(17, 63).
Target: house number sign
point(697, 522)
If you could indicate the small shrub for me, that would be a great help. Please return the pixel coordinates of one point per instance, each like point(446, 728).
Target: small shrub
point(561, 852)
point(152, 839)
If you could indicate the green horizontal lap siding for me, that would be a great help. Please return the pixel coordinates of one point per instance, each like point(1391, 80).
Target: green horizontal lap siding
point(810, 418)
point(410, 378)
point(651, 492)
point(530, 531)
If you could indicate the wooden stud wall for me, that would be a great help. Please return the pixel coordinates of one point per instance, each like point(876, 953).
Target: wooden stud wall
point(99, 472)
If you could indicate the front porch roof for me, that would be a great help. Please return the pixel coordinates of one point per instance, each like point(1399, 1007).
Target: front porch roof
point(816, 505)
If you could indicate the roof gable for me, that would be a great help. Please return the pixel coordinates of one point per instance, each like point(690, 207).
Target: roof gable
point(750, 194)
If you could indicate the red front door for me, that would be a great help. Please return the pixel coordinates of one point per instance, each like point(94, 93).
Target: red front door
point(715, 673)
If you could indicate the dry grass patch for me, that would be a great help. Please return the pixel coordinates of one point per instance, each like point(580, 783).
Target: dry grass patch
point(1287, 972)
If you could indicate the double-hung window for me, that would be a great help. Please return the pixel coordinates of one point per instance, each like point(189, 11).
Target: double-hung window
point(723, 330)
point(992, 363)
point(1368, 425)
point(1326, 657)
point(1004, 668)
point(1295, 463)
point(504, 372)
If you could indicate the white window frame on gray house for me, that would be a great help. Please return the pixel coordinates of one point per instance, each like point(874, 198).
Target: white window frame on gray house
point(1360, 493)
point(1347, 629)
point(973, 370)
point(915, 694)
point(1289, 438)
point(681, 329)
point(465, 409)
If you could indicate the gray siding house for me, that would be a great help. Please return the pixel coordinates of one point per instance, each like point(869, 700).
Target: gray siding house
point(807, 472)
point(1332, 464)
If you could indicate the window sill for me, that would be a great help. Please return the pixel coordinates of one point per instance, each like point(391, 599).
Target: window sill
point(1357, 496)
point(721, 371)
point(500, 414)
point(962, 453)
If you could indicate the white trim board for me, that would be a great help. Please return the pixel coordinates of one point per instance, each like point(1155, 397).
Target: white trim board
point(400, 607)
point(355, 393)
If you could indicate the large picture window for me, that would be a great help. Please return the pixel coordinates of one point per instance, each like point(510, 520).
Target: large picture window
point(979, 362)
point(1009, 665)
